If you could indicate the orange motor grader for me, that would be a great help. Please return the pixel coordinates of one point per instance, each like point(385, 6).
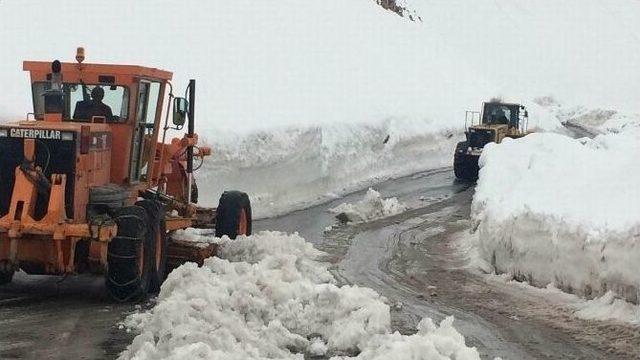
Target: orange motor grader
point(89, 184)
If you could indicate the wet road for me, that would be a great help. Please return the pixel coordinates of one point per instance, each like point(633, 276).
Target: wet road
point(409, 258)
point(42, 317)
point(412, 260)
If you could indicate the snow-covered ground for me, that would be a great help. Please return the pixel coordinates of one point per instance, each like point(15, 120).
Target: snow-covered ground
point(555, 210)
point(270, 297)
point(372, 206)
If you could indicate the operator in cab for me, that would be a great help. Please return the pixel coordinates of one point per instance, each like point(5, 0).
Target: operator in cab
point(87, 109)
point(499, 117)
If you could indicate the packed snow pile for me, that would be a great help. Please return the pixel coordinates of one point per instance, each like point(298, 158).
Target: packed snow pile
point(372, 206)
point(554, 210)
point(204, 237)
point(270, 297)
point(609, 307)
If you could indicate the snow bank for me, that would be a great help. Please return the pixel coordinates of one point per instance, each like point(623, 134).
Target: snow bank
point(554, 210)
point(596, 121)
point(608, 307)
point(371, 207)
point(269, 297)
point(292, 168)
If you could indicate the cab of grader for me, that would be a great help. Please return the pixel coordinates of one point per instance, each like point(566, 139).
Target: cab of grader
point(90, 185)
point(496, 122)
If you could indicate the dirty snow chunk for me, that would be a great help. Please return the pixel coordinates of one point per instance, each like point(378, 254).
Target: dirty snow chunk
point(430, 342)
point(555, 210)
point(371, 207)
point(318, 347)
point(609, 307)
point(466, 243)
point(269, 298)
point(196, 235)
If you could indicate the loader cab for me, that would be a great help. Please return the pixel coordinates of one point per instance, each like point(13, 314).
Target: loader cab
point(127, 118)
point(515, 116)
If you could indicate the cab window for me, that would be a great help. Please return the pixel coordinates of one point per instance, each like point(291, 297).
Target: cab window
point(83, 101)
point(146, 110)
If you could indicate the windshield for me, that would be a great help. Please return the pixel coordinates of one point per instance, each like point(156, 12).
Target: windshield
point(84, 101)
point(500, 114)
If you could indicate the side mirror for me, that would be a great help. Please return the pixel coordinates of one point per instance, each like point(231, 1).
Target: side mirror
point(180, 106)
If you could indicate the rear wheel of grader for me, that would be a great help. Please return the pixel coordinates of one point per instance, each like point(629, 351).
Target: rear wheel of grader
point(157, 229)
point(6, 274)
point(131, 256)
point(233, 216)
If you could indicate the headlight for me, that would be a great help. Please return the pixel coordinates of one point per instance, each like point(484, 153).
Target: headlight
point(4, 133)
point(67, 136)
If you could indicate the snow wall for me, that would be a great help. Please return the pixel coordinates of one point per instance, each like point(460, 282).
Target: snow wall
point(297, 167)
point(562, 211)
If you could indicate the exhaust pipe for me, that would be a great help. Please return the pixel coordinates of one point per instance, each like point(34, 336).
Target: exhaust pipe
point(53, 98)
point(190, 134)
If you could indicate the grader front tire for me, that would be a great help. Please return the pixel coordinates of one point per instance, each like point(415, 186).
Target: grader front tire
point(157, 230)
point(130, 256)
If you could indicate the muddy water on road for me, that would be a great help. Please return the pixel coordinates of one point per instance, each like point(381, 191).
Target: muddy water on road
point(43, 317)
point(411, 260)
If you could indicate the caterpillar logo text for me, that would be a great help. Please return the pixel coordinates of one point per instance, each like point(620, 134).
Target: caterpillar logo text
point(39, 134)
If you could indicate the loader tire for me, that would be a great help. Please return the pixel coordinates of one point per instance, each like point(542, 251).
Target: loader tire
point(130, 258)
point(233, 215)
point(458, 160)
point(464, 166)
point(157, 229)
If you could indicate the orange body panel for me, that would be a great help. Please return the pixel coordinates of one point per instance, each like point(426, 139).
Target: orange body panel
point(74, 71)
point(48, 245)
